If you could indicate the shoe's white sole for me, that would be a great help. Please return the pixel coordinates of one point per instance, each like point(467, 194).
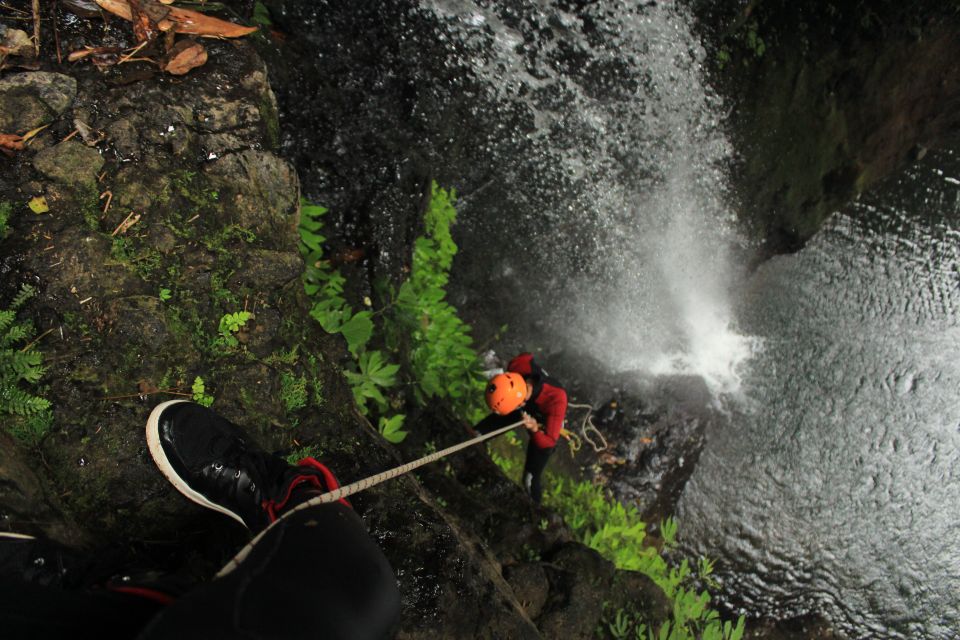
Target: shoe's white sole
point(160, 458)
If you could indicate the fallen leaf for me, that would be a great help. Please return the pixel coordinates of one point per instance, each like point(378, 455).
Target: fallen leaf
point(11, 141)
point(185, 55)
point(184, 21)
point(33, 132)
point(146, 387)
point(38, 205)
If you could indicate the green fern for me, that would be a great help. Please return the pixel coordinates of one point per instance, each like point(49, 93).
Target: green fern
point(29, 415)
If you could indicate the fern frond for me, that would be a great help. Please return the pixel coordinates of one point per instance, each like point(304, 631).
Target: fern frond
point(6, 319)
point(16, 333)
point(21, 403)
point(26, 292)
point(21, 365)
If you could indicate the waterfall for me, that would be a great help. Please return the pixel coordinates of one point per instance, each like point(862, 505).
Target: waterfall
point(634, 266)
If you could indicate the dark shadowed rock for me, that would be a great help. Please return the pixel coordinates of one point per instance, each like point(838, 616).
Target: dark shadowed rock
point(27, 506)
point(579, 583)
point(30, 100)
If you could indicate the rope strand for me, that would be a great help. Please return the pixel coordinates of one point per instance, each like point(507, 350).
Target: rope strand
point(366, 483)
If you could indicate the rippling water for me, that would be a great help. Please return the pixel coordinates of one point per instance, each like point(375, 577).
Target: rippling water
point(835, 488)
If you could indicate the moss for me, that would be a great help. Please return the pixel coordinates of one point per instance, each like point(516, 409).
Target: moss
point(293, 391)
point(271, 120)
point(6, 212)
point(145, 261)
point(195, 191)
point(89, 200)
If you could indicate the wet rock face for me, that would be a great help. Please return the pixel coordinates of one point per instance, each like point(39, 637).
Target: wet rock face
point(658, 437)
point(826, 107)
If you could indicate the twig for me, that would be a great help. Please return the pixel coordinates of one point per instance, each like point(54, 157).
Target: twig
point(109, 197)
point(7, 7)
point(133, 53)
point(36, 27)
point(36, 340)
point(56, 31)
point(73, 133)
point(172, 392)
point(127, 223)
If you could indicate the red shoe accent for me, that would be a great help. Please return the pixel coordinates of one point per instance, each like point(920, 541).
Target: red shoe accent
point(144, 592)
point(274, 507)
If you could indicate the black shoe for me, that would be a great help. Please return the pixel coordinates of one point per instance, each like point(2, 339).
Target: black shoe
point(209, 460)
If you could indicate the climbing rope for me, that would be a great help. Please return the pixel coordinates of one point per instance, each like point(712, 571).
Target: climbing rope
point(586, 427)
point(389, 474)
point(366, 483)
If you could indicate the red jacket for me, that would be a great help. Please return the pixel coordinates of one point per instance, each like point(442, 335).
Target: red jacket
point(547, 403)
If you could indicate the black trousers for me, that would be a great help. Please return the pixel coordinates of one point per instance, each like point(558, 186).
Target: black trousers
point(537, 458)
point(315, 574)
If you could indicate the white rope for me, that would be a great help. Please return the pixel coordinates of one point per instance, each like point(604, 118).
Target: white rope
point(587, 425)
point(366, 483)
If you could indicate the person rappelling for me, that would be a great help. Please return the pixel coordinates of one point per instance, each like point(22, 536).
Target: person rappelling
point(526, 393)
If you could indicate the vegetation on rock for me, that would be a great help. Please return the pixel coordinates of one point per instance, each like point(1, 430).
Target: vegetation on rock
point(29, 415)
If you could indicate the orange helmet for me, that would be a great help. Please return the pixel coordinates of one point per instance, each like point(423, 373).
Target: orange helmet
point(506, 393)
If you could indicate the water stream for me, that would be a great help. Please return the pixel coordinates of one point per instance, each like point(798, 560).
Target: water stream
point(834, 487)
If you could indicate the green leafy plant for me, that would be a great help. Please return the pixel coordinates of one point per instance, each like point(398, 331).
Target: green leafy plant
point(165, 294)
point(199, 391)
point(620, 625)
point(261, 15)
point(374, 374)
point(619, 534)
point(441, 354)
point(29, 414)
point(324, 285)
point(392, 428)
point(230, 324)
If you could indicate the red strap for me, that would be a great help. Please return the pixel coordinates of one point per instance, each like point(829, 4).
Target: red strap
point(274, 507)
point(144, 592)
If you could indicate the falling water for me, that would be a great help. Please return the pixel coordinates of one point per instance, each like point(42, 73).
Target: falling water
point(635, 268)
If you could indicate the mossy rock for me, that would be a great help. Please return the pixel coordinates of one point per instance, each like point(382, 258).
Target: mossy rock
point(70, 163)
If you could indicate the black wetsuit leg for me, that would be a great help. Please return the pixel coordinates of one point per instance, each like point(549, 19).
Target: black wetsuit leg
point(537, 459)
point(316, 573)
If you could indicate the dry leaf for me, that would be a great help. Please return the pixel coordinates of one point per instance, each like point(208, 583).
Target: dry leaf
point(184, 56)
point(184, 21)
point(29, 134)
point(38, 205)
point(146, 387)
point(11, 141)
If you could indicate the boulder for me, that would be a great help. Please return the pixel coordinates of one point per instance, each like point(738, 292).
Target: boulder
point(70, 163)
point(31, 100)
